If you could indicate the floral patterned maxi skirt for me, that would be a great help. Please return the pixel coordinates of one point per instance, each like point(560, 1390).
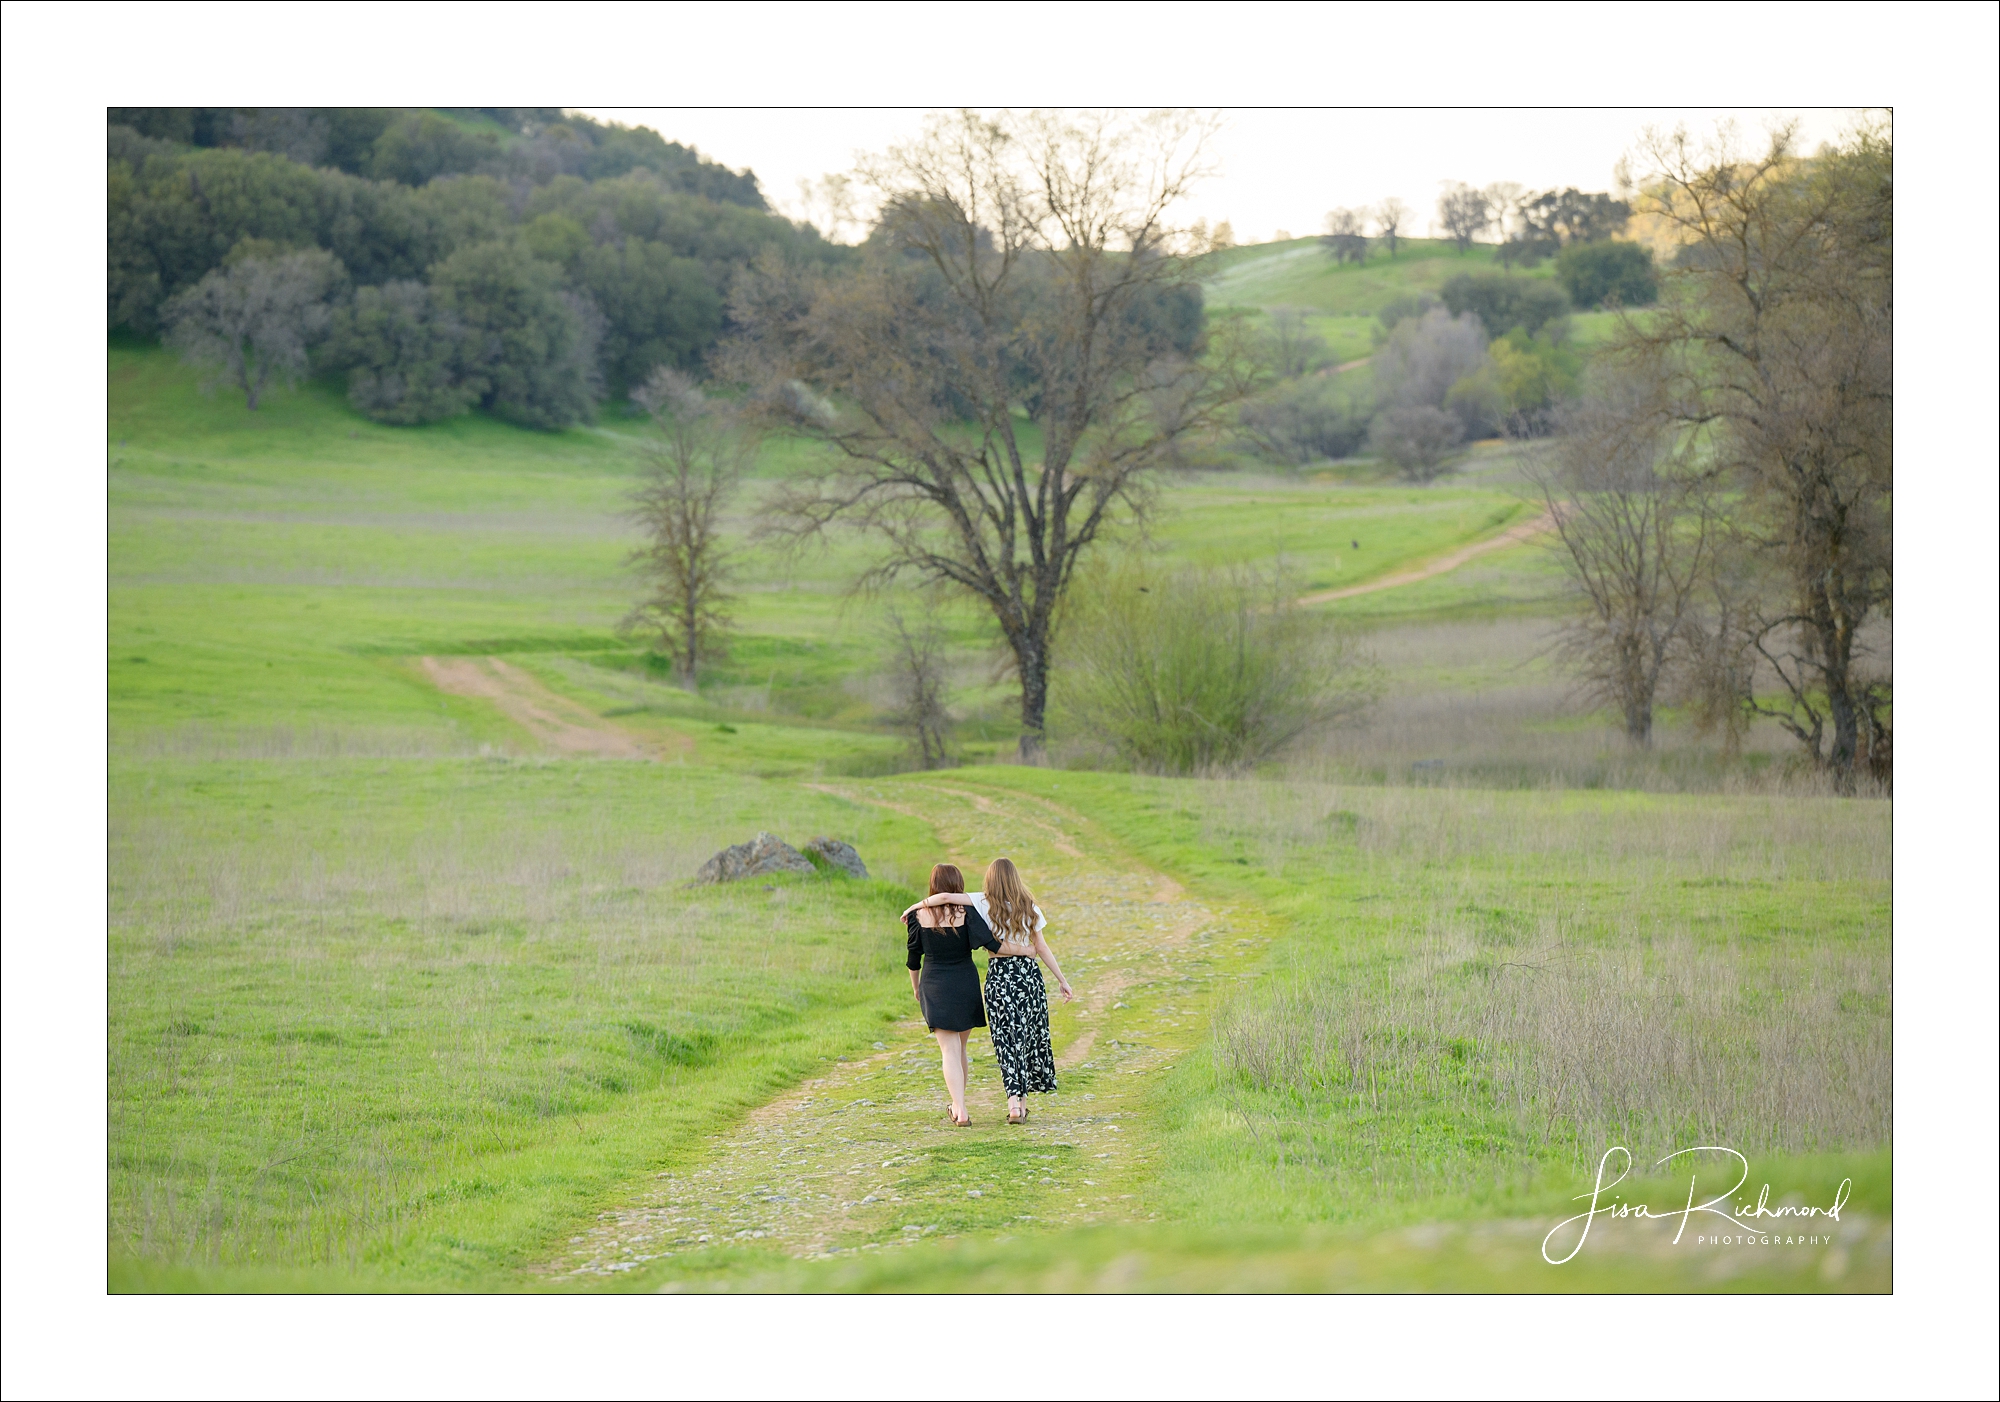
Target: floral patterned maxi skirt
point(1017, 1018)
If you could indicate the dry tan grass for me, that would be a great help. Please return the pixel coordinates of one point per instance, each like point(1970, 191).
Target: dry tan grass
point(201, 740)
point(1480, 704)
point(1554, 835)
point(1656, 1046)
point(1635, 992)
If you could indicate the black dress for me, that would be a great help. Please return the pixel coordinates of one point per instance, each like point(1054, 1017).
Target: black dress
point(949, 987)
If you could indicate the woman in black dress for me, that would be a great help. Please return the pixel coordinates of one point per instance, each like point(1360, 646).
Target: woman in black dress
point(1017, 1003)
point(942, 976)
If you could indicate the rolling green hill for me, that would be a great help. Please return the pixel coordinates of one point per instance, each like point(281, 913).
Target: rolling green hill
point(1344, 298)
point(1300, 274)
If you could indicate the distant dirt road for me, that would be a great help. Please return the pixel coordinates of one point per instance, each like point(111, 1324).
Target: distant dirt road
point(1444, 564)
point(557, 722)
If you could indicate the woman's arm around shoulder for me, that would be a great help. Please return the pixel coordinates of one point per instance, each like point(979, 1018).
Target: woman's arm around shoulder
point(979, 934)
point(943, 898)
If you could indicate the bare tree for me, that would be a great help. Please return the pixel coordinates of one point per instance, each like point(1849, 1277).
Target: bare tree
point(1636, 530)
point(1415, 439)
point(1344, 237)
point(1390, 216)
point(1415, 370)
point(920, 681)
point(1777, 318)
point(253, 323)
point(1020, 349)
point(1503, 204)
point(1424, 356)
point(1716, 672)
point(1463, 213)
point(1292, 345)
point(695, 457)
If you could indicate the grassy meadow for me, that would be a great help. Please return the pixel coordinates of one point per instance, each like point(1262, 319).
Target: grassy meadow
point(1340, 300)
point(405, 996)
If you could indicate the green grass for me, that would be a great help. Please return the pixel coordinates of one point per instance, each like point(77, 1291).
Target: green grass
point(1342, 299)
point(398, 1003)
point(1423, 1175)
point(1329, 535)
point(408, 1018)
point(1300, 274)
point(282, 566)
point(1455, 1259)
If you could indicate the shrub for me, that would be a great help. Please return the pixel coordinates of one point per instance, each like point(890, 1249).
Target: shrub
point(1478, 402)
point(1618, 273)
point(1311, 419)
point(659, 309)
point(1416, 439)
point(402, 355)
point(1410, 304)
point(1423, 358)
point(1534, 376)
point(420, 146)
point(531, 346)
point(1502, 303)
point(1200, 669)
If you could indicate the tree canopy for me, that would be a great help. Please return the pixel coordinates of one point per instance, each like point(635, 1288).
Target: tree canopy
point(600, 243)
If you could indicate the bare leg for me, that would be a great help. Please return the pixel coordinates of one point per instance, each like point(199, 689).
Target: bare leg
point(952, 1046)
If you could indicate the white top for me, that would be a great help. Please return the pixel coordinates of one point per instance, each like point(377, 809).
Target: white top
point(979, 904)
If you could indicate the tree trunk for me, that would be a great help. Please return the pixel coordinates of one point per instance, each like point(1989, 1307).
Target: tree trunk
point(1639, 722)
point(1836, 655)
point(690, 634)
point(1636, 683)
point(1031, 658)
point(1846, 732)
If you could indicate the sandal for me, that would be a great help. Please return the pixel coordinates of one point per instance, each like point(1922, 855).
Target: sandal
point(955, 1122)
point(1017, 1117)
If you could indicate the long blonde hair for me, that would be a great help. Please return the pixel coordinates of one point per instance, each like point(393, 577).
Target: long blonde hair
point(1008, 905)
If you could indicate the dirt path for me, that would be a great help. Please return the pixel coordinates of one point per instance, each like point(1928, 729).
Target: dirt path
point(1444, 564)
point(860, 1157)
point(560, 724)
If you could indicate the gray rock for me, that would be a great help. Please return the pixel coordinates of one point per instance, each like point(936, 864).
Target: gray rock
point(763, 855)
point(837, 854)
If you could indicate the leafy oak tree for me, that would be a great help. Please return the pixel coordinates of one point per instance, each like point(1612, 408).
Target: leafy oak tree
point(1018, 354)
point(252, 323)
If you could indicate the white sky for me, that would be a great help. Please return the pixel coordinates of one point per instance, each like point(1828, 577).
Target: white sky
point(1281, 169)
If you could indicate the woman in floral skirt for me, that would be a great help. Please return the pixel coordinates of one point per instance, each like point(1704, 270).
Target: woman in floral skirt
point(1017, 1003)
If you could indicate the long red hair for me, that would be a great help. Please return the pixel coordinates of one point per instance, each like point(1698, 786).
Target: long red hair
point(947, 879)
